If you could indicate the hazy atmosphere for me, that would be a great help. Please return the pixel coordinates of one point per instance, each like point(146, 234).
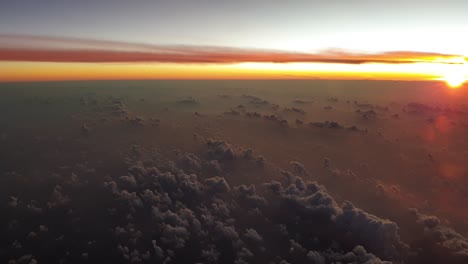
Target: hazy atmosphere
point(233, 132)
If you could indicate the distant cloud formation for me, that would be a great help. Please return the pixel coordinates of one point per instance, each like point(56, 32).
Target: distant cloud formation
point(61, 49)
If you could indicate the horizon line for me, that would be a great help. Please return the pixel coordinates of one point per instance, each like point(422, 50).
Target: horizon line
point(226, 79)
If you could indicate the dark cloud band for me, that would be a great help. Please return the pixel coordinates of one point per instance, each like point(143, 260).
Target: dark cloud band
point(54, 49)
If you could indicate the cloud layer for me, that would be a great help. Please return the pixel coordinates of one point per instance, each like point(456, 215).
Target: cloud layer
point(57, 49)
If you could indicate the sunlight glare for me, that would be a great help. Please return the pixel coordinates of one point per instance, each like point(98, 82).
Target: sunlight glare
point(454, 80)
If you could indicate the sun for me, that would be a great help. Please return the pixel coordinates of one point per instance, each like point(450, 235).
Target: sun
point(454, 80)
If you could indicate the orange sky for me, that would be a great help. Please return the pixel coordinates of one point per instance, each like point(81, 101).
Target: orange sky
point(38, 58)
point(44, 71)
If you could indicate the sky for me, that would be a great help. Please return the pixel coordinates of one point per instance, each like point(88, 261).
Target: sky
point(246, 28)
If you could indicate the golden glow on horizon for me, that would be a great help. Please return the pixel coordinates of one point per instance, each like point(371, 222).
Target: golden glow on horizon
point(454, 80)
point(457, 77)
point(45, 71)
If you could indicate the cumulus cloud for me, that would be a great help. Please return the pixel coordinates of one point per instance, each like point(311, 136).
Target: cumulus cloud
point(190, 163)
point(128, 182)
point(175, 236)
point(367, 114)
point(217, 185)
point(298, 168)
point(58, 198)
point(34, 207)
point(25, 259)
point(188, 101)
point(327, 124)
point(13, 202)
point(252, 236)
point(248, 195)
point(294, 110)
point(253, 115)
point(378, 234)
point(212, 167)
point(444, 241)
point(220, 150)
point(118, 107)
point(276, 119)
point(159, 213)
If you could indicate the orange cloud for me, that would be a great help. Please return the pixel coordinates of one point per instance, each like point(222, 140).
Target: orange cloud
point(55, 49)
